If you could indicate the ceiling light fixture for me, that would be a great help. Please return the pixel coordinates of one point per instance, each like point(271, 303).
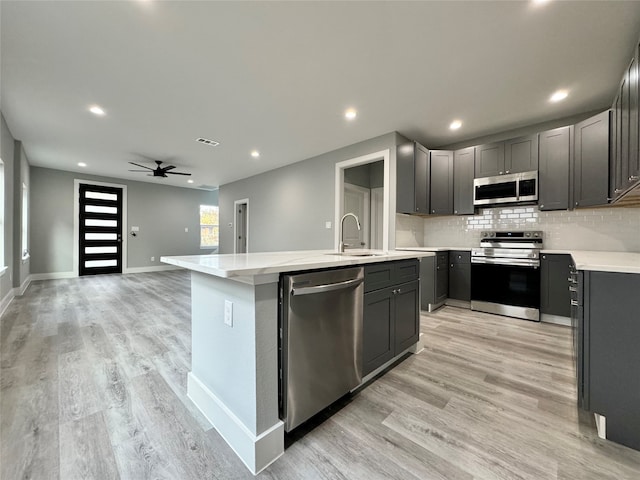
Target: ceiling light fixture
point(558, 96)
point(82, 164)
point(206, 141)
point(350, 114)
point(255, 153)
point(97, 110)
point(456, 124)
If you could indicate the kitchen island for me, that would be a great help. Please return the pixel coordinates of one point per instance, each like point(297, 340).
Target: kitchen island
point(234, 355)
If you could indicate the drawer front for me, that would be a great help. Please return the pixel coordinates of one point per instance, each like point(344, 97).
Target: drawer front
point(406, 271)
point(459, 256)
point(378, 275)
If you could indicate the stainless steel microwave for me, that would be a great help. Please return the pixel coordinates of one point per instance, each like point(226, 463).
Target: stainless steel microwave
point(512, 188)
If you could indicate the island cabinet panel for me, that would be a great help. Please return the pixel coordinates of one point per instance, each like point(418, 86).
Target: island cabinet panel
point(521, 154)
point(412, 178)
point(555, 296)
point(489, 160)
point(442, 277)
point(463, 165)
point(391, 315)
point(591, 161)
point(553, 170)
point(611, 358)
point(441, 188)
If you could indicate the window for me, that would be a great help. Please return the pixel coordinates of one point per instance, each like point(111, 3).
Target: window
point(209, 226)
point(25, 222)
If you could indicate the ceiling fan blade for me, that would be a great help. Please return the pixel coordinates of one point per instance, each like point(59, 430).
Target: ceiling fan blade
point(138, 165)
point(145, 171)
point(177, 173)
point(168, 167)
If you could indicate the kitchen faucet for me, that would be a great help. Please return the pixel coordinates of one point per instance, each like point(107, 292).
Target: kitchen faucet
point(341, 233)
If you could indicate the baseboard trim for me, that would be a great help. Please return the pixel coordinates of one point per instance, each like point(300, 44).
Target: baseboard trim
point(257, 452)
point(19, 291)
point(52, 276)
point(6, 301)
point(154, 268)
point(555, 319)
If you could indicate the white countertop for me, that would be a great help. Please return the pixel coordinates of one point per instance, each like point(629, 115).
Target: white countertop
point(264, 263)
point(432, 249)
point(621, 262)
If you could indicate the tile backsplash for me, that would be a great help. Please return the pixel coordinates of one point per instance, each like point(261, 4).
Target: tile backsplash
point(612, 229)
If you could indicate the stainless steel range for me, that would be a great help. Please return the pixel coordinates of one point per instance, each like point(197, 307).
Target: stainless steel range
point(505, 274)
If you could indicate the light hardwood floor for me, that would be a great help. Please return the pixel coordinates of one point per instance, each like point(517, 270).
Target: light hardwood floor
point(93, 385)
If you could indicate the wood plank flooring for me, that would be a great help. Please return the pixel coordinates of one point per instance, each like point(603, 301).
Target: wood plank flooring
point(93, 386)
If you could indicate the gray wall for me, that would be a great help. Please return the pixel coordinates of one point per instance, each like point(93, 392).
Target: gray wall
point(370, 175)
point(7, 147)
point(288, 207)
point(162, 213)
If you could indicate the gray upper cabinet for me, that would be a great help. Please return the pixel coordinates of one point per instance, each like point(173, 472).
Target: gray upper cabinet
point(521, 154)
point(463, 171)
point(553, 172)
point(624, 163)
point(591, 161)
point(441, 188)
point(412, 176)
point(489, 160)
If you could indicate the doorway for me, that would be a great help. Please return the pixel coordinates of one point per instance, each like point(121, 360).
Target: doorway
point(241, 226)
point(99, 229)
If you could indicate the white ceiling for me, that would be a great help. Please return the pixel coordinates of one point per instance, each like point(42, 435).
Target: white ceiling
point(278, 76)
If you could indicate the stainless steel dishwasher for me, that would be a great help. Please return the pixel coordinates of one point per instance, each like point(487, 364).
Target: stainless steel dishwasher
point(320, 340)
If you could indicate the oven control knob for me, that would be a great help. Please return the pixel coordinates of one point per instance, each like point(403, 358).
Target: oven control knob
point(527, 234)
point(535, 234)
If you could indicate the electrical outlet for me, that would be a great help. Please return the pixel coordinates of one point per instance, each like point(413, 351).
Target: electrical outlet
point(153, 259)
point(228, 313)
point(186, 229)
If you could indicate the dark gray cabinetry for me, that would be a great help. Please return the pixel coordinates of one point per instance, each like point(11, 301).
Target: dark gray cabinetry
point(463, 172)
point(460, 275)
point(554, 167)
point(521, 154)
point(412, 178)
point(624, 133)
point(609, 339)
point(489, 160)
point(442, 277)
point(434, 273)
point(391, 316)
point(591, 161)
point(555, 298)
point(441, 178)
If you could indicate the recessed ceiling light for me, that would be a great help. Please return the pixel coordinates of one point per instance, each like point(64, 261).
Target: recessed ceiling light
point(540, 2)
point(255, 153)
point(558, 96)
point(82, 164)
point(350, 114)
point(189, 181)
point(456, 124)
point(97, 110)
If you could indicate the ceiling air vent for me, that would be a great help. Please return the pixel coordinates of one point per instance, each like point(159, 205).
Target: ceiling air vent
point(206, 141)
point(207, 187)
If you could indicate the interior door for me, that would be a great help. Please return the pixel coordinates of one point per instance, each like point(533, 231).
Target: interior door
point(242, 228)
point(356, 200)
point(100, 230)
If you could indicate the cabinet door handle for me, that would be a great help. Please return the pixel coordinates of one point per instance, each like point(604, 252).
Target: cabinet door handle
point(574, 303)
point(572, 289)
point(501, 173)
point(452, 265)
point(618, 190)
point(508, 171)
point(399, 290)
point(633, 178)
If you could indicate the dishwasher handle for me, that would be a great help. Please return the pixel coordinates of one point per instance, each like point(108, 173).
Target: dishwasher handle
point(325, 288)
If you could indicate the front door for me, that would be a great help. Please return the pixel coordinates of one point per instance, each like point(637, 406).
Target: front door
point(100, 229)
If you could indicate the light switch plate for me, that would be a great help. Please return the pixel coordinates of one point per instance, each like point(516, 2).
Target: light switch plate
point(186, 229)
point(327, 225)
point(228, 313)
point(135, 228)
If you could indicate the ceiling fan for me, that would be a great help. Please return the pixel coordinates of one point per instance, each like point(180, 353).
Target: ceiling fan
point(159, 171)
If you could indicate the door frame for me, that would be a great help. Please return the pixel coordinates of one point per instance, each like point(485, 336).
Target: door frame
point(244, 201)
point(365, 222)
point(76, 222)
point(389, 197)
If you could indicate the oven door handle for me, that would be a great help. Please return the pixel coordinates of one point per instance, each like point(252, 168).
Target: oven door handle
point(510, 262)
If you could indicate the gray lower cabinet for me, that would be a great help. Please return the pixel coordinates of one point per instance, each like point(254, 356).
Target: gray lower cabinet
point(463, 167)
point(608, 339)
point(591, 161)
point(434, 273)
point(554, 166)
point(460, 275)
point(555, 296)
point(391, 316)
point(441, 182)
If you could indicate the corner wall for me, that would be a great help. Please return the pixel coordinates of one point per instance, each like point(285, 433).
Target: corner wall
point(7, 147)
point(162, 213)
